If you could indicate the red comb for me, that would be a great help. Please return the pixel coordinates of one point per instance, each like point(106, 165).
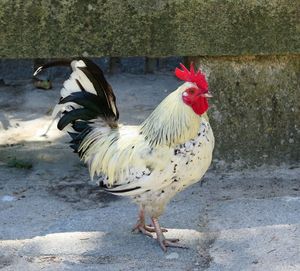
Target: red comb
point(190, 76)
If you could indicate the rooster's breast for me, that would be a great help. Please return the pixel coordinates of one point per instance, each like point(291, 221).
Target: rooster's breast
point(193, 158)
point(188, 163)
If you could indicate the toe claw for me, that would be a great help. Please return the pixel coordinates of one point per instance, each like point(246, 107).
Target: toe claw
point(163, 247)
point(142, 229)
point(152, 229)
point(173, 240)
point(165, 243)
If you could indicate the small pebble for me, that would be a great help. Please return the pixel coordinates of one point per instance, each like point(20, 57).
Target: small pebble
point(172, 256)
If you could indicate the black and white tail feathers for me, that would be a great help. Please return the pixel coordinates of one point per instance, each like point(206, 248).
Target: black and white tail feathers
point(85, 97)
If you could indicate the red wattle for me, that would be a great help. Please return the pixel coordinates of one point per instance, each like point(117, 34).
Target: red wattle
point(200, 107)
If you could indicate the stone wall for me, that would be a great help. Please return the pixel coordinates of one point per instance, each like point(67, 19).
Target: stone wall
point(42, 28)
point(255, 111)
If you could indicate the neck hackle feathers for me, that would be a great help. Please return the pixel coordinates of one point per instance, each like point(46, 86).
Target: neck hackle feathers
point(191, 76)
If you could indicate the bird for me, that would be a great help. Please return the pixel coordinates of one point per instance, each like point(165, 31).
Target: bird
point(150, 162)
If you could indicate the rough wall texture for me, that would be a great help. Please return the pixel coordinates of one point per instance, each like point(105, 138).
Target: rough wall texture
point(251, 48)
point(255, 111)
point(42, 28)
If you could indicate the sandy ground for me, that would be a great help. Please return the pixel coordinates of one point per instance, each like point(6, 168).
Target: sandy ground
point(53, 218)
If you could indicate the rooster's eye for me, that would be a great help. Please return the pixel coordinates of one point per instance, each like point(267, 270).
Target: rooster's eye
point(191, 91)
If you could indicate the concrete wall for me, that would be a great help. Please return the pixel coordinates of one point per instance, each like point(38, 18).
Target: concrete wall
point(250, 50)
point(256, 109)
point(43, 28)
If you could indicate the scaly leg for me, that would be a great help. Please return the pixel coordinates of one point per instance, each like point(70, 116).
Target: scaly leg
point(163, 242)
point(142, 227)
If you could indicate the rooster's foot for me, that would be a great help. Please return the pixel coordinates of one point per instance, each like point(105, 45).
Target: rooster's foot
point(170, 243)
point(147, 230)
point(164, 242)
point(152, 229)
point(142, 227)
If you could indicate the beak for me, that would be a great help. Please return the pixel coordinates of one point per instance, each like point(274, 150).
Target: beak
point(206, 95)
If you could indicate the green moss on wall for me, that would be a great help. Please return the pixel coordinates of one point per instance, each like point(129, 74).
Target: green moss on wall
point(42, 28)
point(255, 112)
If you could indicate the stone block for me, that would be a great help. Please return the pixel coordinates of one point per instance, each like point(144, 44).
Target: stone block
point(148, 28)
point(255, 110)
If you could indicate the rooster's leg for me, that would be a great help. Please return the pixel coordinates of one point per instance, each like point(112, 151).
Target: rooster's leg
point(163, 242)
point(142, 227)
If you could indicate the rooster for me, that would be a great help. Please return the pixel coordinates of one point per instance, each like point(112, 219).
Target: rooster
point(151, 162)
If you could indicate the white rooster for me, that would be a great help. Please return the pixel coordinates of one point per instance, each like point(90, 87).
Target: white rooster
point(151, 162)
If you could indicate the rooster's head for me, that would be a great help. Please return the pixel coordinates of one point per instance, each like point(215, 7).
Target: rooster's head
point(195, 92)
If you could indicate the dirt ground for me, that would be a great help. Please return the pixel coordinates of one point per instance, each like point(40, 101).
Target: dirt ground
point(53, 218)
